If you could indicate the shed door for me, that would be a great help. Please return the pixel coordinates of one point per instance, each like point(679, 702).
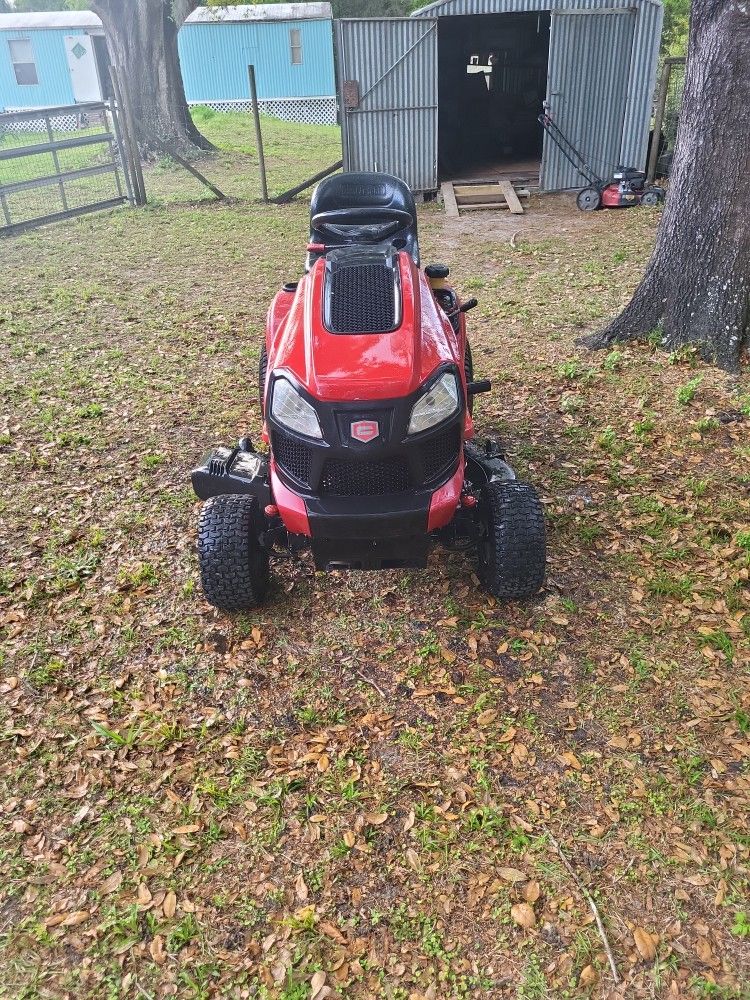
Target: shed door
point(589, 68)
point(387, 73)
point(79, 50)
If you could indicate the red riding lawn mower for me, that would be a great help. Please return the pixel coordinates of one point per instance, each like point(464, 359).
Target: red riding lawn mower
point(626, 189)
point(367, 389)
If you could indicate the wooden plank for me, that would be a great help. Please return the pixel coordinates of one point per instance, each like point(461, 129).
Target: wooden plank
point(449, 200)
point(488, 198)
point(489, 188)
point(494, 205)
point(511, 197)
point(470, 189)
point(513, 178)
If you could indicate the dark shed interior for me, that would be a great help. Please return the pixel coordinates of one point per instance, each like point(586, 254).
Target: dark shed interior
point(492, 82)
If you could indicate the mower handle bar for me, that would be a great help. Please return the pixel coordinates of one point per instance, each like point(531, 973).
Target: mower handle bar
point(568, 150)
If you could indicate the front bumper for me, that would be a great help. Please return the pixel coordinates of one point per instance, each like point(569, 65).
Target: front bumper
point(379, 472)
point(389, 531)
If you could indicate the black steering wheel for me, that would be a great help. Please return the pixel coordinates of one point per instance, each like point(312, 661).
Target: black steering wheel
point(344, 222)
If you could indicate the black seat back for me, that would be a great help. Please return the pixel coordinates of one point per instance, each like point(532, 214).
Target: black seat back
point(349, 209)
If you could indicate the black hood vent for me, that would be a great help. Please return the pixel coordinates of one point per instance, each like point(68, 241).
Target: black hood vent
point(362, 290)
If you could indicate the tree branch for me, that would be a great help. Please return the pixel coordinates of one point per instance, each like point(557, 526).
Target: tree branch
point(592, 905)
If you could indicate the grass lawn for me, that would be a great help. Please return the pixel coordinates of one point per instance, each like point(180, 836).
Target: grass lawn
point(292, 154)
point(197, 806)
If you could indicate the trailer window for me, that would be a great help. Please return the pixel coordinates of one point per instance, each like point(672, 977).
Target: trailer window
point(295, 44)
point(22, 57)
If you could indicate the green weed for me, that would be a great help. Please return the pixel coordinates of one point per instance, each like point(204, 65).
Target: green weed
point(686, 393)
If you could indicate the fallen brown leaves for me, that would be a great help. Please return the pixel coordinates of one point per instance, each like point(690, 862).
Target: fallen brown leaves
point(351, 792)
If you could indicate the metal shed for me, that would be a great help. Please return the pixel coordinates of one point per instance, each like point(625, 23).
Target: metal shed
point(454, 91)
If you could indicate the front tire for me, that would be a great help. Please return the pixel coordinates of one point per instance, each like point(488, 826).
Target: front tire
point(233, 565)
point(512, 550)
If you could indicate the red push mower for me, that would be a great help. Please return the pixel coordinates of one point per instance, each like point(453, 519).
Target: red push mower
point(626, 189)
point(367, 389)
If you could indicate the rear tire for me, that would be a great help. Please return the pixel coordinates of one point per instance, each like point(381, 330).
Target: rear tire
point(234, 567)
point(652, 197)
point(512, 550)
point(262, 370)
point(589, 199)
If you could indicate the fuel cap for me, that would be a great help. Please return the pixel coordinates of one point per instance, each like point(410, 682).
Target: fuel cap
point(437, 271)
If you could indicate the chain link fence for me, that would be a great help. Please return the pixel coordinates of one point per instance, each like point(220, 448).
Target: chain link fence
point(56, 163)
point(666, 117)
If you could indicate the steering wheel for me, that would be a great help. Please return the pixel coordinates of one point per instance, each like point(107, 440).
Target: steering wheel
point(344, 222)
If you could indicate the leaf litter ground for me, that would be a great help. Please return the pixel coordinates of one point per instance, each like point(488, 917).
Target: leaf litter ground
point(352, 791)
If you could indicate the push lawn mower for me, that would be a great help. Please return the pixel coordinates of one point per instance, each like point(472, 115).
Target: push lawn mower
point(626, 189)
point(366, 388)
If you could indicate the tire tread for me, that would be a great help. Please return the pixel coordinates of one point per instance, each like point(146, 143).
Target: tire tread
point(234, 567)
point(515, 522)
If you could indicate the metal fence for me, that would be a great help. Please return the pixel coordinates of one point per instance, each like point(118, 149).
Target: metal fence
point(49, 173)
point(666, 117)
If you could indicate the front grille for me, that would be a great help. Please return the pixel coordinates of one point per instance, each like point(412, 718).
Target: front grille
point(293, 456)
point(345, 478)
point(440, 452)
point(362, 299)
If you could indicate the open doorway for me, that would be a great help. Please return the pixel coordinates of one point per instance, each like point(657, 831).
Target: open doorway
point(101, 55)
point(492, 82)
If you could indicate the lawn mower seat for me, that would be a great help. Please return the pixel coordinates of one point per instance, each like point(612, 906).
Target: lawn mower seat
point(363, 209)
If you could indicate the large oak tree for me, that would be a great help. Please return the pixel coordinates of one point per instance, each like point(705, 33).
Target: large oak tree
point(696, 289)
point(142, 39)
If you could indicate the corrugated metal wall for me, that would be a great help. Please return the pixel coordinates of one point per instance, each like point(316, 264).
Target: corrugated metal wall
point(447, 8)
point(394, 127)
point(54, 87)
point(587, 94)
point(636, 60)
point(215, 56)
point(644, 61)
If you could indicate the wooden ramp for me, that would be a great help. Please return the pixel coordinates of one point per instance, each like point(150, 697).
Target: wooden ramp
point(474, 195)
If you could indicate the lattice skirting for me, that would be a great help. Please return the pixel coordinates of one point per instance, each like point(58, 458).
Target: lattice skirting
point(309, 110)
point(63, 123)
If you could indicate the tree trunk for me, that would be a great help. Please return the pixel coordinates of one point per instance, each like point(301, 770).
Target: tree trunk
point(142, 39)
point(696, 289)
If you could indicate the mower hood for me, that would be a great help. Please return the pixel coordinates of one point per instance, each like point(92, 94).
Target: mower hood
point(325, 340)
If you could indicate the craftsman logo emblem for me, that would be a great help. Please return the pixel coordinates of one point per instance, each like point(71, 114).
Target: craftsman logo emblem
point(364, 430)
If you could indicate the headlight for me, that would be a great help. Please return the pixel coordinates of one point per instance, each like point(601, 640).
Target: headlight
point(291, 410)
point(438, 404)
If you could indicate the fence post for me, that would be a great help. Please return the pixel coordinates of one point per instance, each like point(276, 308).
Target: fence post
point(121, 146)
point(130, 134)
point(258, 135)
point(4, 203)
point(661, 103)
point(56, 161)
